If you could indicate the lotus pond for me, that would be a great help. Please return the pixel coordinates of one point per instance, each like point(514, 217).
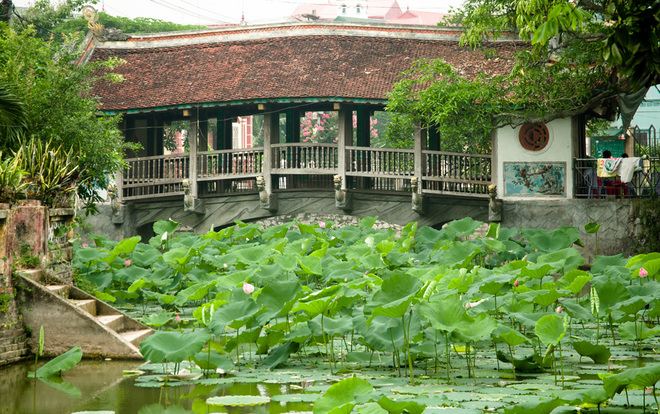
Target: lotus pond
point(314, 317)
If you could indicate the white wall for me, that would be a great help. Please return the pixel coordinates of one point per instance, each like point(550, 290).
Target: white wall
point(507, 149)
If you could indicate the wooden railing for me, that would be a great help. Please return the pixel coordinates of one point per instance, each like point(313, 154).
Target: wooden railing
point(450, 172)
point(155, 176)
point(230, 163)
point(384, 169)
point(380, 162)
point(303, 158)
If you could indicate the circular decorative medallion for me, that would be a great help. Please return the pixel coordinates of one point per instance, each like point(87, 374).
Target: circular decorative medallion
point(534, 137)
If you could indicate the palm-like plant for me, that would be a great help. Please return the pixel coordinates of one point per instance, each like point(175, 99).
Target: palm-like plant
point(12, 118)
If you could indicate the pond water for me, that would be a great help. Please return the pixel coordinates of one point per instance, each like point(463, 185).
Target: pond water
point(104, 388)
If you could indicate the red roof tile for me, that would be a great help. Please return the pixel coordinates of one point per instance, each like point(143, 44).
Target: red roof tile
point(294, 66)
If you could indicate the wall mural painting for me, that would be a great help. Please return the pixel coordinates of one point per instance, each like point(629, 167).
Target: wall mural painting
point(535, 178)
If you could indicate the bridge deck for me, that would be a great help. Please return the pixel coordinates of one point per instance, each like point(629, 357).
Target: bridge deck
point(307, 166)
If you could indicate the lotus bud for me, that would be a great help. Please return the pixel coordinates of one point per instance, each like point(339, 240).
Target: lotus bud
point(559, 309)
point(248, 288)
point(515, 284)
point(643, 272)
point(127, 262)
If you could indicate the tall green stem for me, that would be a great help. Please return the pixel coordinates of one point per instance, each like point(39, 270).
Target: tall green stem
point(447, 354)
point(405, 338)
point(561, 363)
point(325, 342)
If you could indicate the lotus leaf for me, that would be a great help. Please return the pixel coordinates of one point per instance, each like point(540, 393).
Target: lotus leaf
point(545, 298)
point(399, 406)
point(212, 361)
point(457, 254)
point(445, 313)
point(547, 241)
point(89, 254)
point(158, 319)
point(592, 227)
point(238, 400)
point(477, 328)
point(529, 364)
point(601, 263)
point(55, 366)
point(513, 338)
point(563, 260)
point(280, 354)
point(637, 331)
point(574, 281)
point(610, 293)
point(551, 329)
point(600, 354)
point(343, 396)
point(145, 255)
point(179, 255)
point(641, 377)
point(173, 346)
point(310, 265)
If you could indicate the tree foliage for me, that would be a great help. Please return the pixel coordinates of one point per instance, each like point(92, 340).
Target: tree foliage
point(581, 55)
point(58, 21)
point(55, 95)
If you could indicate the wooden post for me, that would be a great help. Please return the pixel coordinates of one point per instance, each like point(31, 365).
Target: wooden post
point(345, 139)
point(292, 125)
point(192, 176)
point(420, 144)
point(271, 134)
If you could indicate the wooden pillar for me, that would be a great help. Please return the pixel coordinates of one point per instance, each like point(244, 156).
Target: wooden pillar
point(420, 144)
point(271, 134)
point(151, 136)
point(225, 132)
point(203, 132)
point(129, 135)
point(363, 127)
point(345, 139)
point(193, 154)
point(292, 125)
point(160, 134)
point(434, 139)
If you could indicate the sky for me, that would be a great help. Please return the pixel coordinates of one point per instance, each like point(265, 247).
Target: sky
point(204, 12)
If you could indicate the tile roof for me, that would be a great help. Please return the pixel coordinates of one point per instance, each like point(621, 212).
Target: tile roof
point(180, 69)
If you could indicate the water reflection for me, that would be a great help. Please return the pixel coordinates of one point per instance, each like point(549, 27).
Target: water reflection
point(103, 388)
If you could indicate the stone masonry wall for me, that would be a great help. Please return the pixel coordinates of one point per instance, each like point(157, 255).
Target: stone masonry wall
point(46, 234)
point(617, 233)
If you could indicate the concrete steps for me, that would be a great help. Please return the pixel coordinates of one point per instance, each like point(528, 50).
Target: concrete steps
point(71, 317)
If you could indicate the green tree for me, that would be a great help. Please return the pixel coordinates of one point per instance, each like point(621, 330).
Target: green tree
point(581, 56)
point(46, 17)
point(58, 104)
point(60, 20)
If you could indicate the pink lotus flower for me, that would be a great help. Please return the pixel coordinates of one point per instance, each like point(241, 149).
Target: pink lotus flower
point(643, 272)
point(322, 224)
point(178, 318)
point(248, 288)
point(559, 309)
point(84, 245)
point(127, 262)
point(515, 284)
